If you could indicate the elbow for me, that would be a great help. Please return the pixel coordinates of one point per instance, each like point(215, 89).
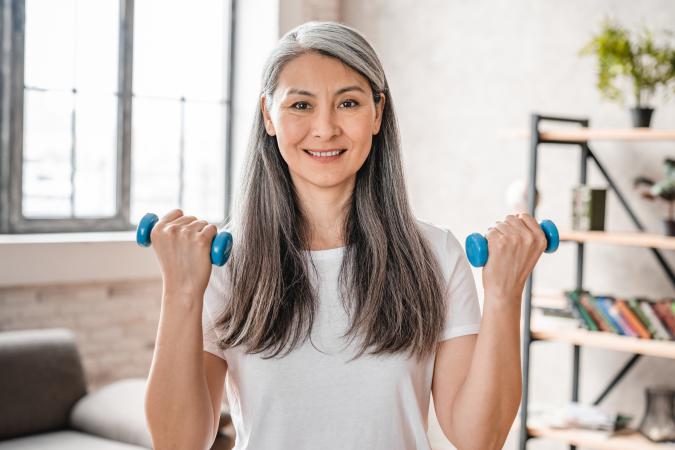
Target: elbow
point(166, 436)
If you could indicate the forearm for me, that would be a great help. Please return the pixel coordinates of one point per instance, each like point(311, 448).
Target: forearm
point(487, 401)
point(177, 403)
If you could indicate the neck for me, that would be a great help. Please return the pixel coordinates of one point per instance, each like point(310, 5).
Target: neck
point(325, 210)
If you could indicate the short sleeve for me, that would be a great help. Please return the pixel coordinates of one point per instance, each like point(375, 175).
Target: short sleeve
point(461, 297)
point(214, 298)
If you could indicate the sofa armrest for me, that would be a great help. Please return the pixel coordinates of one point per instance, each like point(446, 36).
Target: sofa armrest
point(115, 411)
point(41, 378)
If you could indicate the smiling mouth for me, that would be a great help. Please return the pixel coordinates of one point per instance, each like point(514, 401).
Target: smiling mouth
point(325, 153)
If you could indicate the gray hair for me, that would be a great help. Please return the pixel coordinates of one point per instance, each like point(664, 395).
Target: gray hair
point(390, 283)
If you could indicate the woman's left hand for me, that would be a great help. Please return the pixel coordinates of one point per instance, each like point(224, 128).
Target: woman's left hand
point(514, 247)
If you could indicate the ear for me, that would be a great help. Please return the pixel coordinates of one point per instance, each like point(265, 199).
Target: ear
point(379, 109)
point(267, 119)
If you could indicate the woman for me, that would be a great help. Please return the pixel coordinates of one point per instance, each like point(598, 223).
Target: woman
point(338, 313)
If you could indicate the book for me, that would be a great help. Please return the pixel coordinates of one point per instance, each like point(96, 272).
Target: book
point(601, 311)
point(631, 319)
point(667, 319)
point(603, 304)
point(582, 316)
point(595, 314)
point(634, 304)
point(660, 331)
point(625, 326)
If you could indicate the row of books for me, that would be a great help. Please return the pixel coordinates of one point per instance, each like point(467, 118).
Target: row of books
point(637, 317)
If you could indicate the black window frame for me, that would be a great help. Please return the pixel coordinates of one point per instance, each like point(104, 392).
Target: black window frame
point(12, 39)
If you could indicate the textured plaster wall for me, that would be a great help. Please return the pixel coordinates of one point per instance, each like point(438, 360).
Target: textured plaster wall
point(461, 74)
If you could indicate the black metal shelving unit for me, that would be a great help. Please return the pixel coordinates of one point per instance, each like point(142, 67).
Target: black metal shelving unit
point(586, 154)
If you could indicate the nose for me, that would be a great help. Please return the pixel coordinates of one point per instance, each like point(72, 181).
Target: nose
point(325, 124)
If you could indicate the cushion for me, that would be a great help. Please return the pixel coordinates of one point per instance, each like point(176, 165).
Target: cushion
point(115, 411)
point(65, 440)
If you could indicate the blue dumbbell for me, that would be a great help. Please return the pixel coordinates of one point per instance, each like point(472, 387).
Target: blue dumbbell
point(477, 246)
point(220, 247)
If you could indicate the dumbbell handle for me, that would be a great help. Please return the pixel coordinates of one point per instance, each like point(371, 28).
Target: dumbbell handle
point(477, 246)
point(221, 246)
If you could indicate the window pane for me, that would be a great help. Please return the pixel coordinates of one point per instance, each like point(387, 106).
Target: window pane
point(95, 155)
point(205, 160)
point(155, 157)
point(49, 47)
point(183, 51)
point(96, 46)
point(46, 154)
point(72, 44)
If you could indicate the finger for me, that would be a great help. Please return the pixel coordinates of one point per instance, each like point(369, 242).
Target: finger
point(500, 228)
point(197, 225)
point(506, 229)
point(184, 220)
point(210, 229)
point(530, 222)
point(517, 224)
point(172, 215)
point(533, 225)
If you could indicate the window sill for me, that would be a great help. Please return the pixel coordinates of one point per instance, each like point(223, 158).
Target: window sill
point(74, 258)
point(63, 238)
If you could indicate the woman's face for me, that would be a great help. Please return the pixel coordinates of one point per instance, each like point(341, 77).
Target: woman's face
point(320, 107)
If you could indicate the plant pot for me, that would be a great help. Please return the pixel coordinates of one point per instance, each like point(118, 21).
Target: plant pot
point(642, 117)
point(658, 423)
point(669, 227)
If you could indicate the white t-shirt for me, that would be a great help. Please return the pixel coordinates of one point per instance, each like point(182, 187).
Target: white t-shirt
point(314, 398)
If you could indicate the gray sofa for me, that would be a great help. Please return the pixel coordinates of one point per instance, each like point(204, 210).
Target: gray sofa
point(44, 403)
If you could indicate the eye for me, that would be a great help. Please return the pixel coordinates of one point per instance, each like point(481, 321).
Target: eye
point(296, 104)
point(353, 103)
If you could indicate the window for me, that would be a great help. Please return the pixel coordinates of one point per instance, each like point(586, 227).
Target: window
point(111, 109)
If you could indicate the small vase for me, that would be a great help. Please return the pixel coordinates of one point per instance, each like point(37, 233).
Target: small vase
point(669, 227)
point(642, 117)
point(658, 424)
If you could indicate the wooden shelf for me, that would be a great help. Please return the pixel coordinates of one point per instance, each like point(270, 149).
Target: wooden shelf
point(635, 239)
point(609, 341)
point(581, 134)
point(629, 440)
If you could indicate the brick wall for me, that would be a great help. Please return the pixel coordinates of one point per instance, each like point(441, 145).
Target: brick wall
point(115, 324)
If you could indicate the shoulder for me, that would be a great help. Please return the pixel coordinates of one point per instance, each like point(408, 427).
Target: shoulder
point(446, 247)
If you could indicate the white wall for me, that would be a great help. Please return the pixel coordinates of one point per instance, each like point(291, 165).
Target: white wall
point(461, 72)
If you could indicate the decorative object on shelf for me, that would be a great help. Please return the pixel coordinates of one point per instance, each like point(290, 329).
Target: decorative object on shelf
point(664, 190)
point(578, 415)
point(588, 208)
point(658, 424)
point(516, 196)
point(646, 64)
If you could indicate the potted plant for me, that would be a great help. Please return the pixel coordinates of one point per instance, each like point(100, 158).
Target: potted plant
point(645, 64)
point(664, 190)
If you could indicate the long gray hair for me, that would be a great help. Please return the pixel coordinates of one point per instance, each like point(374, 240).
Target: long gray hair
point(390, 283)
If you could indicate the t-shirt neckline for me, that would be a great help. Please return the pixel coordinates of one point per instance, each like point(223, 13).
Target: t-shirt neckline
point(327, 253)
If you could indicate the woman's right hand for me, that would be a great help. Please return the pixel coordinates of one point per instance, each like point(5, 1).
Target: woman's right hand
point(182, 246)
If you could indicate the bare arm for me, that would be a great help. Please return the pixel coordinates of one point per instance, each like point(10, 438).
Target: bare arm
point(182, 398)
point(477, 403)
point(477, 382)
point(179, 408)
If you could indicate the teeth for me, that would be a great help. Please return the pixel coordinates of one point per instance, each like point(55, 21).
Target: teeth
point(335, 153)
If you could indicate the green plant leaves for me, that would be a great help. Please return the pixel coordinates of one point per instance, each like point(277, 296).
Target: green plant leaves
point(645, 64)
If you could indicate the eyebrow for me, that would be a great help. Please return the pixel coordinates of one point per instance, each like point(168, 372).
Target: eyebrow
point(338, 92)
